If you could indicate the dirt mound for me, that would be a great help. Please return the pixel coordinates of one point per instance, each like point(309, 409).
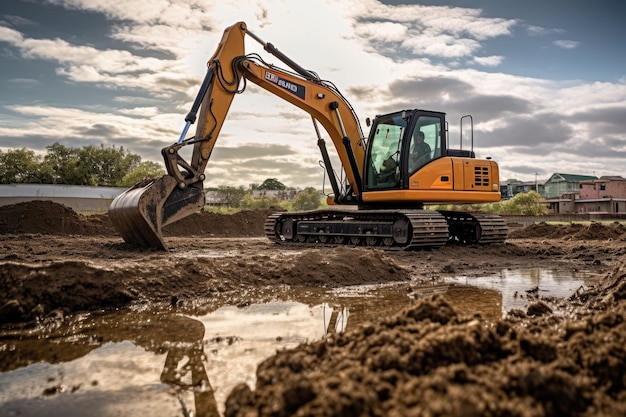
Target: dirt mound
point(577, 231)
point(30, 292)
point(48, 217)
point(598, 231)
point(243, 223)
point(429, 360)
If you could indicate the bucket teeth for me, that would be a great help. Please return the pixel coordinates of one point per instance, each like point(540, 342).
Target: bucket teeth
point(140, 213)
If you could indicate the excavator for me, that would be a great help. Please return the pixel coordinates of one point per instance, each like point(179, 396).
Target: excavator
point(386, 179)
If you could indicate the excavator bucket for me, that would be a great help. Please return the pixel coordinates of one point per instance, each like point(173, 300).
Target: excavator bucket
point(140, 213)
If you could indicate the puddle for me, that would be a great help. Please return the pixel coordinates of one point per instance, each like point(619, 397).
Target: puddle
point(514, 285)
point(158, 364)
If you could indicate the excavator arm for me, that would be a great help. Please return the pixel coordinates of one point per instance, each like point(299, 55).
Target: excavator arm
point(140, 213)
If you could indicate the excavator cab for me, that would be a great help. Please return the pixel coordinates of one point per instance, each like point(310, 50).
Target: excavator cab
point(394, 150)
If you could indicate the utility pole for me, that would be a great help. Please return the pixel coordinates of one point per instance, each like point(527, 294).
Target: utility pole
point(536, 184)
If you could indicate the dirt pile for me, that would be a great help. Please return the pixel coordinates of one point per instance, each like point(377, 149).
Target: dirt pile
point(429, 360)
point(49, 218)
point(573, 231)
point(30, 293)
point(243, 223)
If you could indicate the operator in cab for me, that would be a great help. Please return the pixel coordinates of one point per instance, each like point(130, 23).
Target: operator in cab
point(420, 151)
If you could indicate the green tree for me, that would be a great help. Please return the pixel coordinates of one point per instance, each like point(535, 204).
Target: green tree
point(90, 165)
point(61, 161)
point(145, 169)
point(22, 166)
point(104, 166)
point(525, 204)
point(307, 199)
point(272, 184)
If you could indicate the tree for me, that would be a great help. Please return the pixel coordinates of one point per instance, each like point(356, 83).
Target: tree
point(272, 184)
point(61, 160)
point(22, 166)
point(104, 166)
point(307, 199)
point(146, 169)
point(525, 204)
point(90, 165)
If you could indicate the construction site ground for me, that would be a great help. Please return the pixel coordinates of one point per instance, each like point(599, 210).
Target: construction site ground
point(438, 355)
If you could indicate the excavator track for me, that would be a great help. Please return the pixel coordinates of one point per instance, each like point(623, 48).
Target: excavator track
point(390, 230)
point(475, 228)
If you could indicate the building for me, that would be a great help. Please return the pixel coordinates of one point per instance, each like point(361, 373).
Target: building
point(510, 189)
point(559, 184)
point(603, 195)
point(76, 197)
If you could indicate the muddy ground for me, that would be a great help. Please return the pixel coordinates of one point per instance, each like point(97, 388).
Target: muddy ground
point(558, 357)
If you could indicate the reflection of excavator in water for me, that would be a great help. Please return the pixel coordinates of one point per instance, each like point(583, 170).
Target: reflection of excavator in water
point(385, 176)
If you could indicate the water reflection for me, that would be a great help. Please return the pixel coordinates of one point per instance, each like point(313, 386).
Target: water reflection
point(166, 364)
point(518, 286)
point(184, 369)
point(133, 363)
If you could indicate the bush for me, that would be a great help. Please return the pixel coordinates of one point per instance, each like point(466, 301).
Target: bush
point(525, 204)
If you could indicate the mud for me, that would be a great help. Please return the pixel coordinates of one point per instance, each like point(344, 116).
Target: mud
point(556, 357)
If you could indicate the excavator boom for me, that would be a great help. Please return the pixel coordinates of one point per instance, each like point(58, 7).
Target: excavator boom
point(140, 213)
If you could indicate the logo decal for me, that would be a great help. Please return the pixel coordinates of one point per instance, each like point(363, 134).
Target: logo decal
point(295, 89)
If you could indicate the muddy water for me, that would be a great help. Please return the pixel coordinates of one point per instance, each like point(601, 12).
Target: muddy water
point(166, 364)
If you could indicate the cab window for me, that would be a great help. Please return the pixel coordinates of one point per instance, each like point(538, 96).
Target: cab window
point(384, 166)
point(425, 143)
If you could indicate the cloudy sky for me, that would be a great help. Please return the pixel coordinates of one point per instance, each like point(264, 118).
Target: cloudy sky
point(545, 80)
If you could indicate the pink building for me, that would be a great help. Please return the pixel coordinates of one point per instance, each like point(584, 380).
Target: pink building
point(605, 187)
point(604, 195)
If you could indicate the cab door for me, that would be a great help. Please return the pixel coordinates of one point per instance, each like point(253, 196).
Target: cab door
point(384, 153)
point(393, 154)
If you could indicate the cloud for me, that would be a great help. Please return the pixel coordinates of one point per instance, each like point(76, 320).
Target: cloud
point(436, 31)
point(487, 61)
point(566, 44)
point(541, 31)
point(10, 35)
point(25, 82)
point(252, 151)
point(11, 20)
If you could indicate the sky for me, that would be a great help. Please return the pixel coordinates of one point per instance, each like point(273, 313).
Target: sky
point(544, 80)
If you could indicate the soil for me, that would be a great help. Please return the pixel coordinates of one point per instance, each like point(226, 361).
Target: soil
point(558, 357)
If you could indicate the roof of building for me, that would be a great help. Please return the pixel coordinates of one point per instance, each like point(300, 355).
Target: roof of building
point(608, 178)
point(558, 177)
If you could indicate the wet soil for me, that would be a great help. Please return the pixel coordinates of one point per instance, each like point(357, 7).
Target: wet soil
point(556, 357)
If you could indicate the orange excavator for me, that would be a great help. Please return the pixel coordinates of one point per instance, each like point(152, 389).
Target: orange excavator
point(385, 179)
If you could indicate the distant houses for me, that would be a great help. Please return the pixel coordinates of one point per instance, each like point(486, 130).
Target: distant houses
point(571, 194)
